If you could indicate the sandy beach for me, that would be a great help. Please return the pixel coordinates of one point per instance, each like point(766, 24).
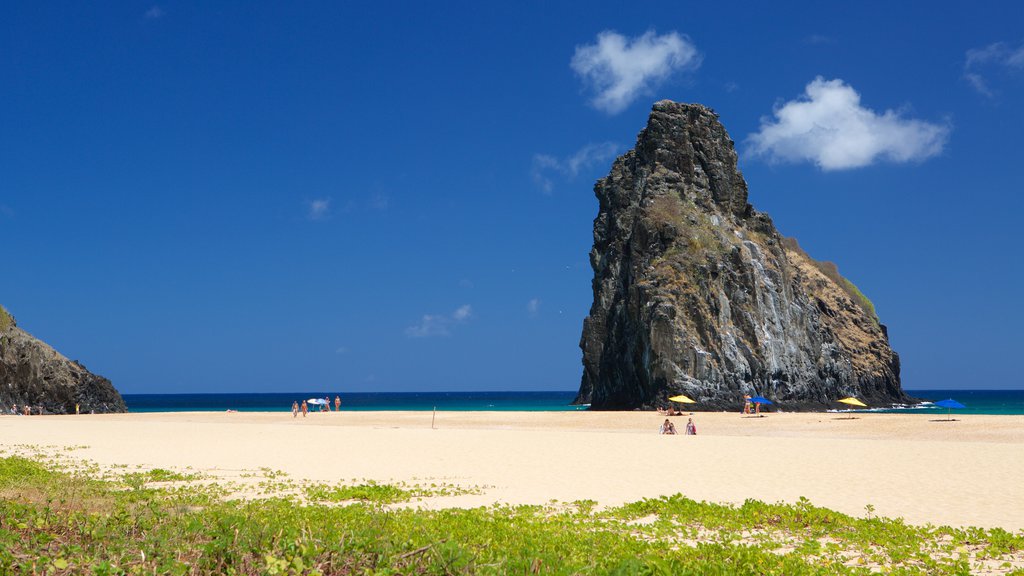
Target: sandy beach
point(961, 473)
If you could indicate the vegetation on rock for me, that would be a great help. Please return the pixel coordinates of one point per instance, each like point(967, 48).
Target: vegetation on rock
point(830, 270)
point(6, 321)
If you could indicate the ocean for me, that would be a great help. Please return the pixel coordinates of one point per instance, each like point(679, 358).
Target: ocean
point(359, 401)
point(977, 401)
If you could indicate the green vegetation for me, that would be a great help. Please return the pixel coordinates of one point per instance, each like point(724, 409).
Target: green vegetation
point(56, 521)
point(695, 237)
point(830, 270)
point(5, 319)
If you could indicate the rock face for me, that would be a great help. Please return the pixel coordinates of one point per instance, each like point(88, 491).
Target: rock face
point(32, 373)
point(697, 293)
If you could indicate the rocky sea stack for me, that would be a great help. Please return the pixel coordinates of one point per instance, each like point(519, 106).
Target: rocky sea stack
point(697, 293)
point(32, 373)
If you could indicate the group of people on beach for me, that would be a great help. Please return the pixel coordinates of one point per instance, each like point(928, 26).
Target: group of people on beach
point(325, 406)
point(25, 410)
point(668, 427)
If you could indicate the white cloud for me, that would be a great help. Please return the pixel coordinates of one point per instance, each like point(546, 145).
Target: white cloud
point(318, 209)
point(431, 325)
point(153, 13)
point(533, 306)
point(544, 165)
point(621, 69)
point(828, 126)
point(462, 313)
point(996, 57)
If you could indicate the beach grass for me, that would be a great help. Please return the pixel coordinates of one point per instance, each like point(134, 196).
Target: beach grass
point(72, 520)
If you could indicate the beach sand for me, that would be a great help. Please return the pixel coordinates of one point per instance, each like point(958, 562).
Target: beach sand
point(962, 473)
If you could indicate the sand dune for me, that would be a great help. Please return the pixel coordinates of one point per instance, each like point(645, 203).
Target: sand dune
point(966, 472)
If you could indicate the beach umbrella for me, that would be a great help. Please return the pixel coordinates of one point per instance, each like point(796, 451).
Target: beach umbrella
point(949, 404)
point(682, 399)
point(761, 400)
point(316, 401)
point(853, 402)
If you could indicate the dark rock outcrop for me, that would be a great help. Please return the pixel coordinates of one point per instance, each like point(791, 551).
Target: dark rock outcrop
point(697, 293)
point(32, 373)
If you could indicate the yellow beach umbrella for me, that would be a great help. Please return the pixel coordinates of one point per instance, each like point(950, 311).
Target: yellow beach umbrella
point(853, 402)
point(682, 399)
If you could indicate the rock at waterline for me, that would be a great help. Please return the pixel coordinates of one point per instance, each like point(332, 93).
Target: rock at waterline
point(32, 373)
point(697, 293)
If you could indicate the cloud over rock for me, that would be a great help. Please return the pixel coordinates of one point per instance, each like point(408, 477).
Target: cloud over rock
point(829, 127)
point(621, 69)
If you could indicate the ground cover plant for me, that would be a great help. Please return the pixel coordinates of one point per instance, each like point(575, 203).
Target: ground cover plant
point(72, 518)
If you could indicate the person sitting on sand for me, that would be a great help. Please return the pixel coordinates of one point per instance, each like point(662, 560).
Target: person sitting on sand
point(691, 428)
point(667, 428)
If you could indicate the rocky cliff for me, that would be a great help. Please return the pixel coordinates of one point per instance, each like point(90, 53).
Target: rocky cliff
point(35, 374)
point(697, 293)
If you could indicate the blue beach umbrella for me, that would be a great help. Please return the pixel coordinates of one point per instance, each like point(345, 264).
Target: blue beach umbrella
point(761, 400)
point(949, 404)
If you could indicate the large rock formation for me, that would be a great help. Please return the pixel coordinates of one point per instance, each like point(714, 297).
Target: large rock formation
point(697, 293)
point(32, 373)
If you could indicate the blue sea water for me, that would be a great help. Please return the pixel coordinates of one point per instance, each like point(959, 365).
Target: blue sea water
point(362, 401)
point(977, 401)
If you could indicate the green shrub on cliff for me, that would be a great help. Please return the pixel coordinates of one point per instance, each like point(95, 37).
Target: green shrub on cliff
point(5, 319)
point(830, 270)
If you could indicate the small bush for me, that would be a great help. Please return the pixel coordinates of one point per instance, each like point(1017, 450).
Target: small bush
point(6, 321)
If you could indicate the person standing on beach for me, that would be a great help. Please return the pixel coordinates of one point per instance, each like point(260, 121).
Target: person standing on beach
point(746, 403)
point(305, 408)
point(691, 428)
point(337, 403)
point(295, 409)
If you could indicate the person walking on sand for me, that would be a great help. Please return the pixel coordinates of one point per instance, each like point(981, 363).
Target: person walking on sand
point(337, 403)
point(295, 409)
point(746, 403)
point(305, 408)
point(691, 428)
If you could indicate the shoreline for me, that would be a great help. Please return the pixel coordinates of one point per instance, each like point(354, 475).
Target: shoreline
point(901, 464)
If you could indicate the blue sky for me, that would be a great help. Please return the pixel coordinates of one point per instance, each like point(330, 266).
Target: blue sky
point(248, 197)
